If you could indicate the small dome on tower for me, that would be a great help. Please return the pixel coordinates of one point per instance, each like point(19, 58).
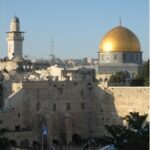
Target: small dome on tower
point(120, 39)
point(15, 19)
point(15, 24)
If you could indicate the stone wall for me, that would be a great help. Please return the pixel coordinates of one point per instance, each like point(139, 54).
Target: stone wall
point(64, 105)
point(70, 107)
point(60, 104)
point(19, 136)
point(9, 90)
point(9, 120)
point(113, 103)
point(129, 99)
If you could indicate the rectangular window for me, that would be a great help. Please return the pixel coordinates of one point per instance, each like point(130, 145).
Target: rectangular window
point(38, 106)
point(82, 106)
point(54, 107)
point(68, 106)
point(60, 90)
point(82, 93)
point(18, 115)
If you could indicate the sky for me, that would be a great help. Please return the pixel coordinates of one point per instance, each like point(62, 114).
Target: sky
point(77, 26)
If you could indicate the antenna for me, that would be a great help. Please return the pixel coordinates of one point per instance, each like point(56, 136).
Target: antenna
point(52, 49)
point(120, 21)
point(52, 46)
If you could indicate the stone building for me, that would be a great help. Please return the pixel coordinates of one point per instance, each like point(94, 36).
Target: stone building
point(69, 108)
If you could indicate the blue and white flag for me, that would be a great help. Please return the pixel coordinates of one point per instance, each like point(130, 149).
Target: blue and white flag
point(44, 130)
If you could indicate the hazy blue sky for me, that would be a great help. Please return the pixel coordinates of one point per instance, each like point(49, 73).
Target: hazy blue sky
point(76, 25)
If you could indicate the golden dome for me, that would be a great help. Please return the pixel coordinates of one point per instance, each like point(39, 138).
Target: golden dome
point(120, 39)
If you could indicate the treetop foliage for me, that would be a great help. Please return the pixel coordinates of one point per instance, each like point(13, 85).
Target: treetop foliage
point(133, 136)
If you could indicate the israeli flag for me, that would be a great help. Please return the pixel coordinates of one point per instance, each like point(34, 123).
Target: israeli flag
point(45, 130)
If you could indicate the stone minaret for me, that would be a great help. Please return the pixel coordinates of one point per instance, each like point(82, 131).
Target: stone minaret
point(15, 40)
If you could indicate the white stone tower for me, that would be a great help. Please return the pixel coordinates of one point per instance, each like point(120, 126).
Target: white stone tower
point(15, 40)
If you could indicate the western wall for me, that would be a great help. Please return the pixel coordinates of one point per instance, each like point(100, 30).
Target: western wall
point(71, 107)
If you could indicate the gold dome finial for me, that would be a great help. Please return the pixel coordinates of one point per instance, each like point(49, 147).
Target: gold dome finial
point(120, 21)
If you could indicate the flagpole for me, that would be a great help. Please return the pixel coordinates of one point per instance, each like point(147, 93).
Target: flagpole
point(42, 141)
point(44, 133)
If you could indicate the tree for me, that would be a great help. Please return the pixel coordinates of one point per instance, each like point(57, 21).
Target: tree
point(135, 135)
point(4, 143)
point(145, 73)
point(143, 78)
point(137, 81)
point(119, 77)
point(13, 143)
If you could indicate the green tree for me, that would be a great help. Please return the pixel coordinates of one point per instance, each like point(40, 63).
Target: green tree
point(133, 136)
point(143, 78)
point(145, 73)
point(119, 77)
point(137, 81)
